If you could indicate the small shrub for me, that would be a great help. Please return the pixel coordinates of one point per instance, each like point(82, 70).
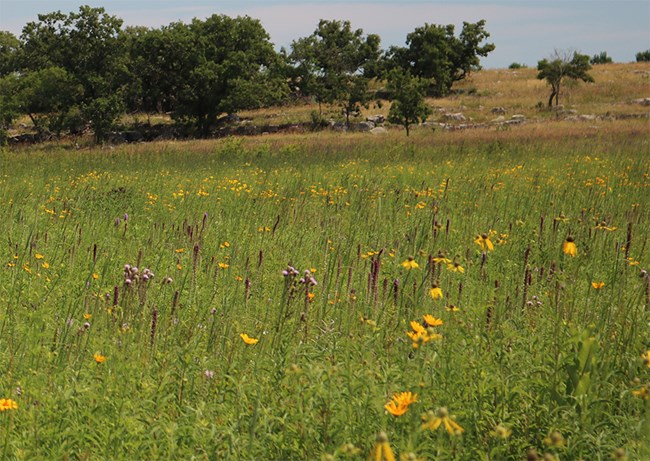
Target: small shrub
point(517, 65)
point(643, 56)
point(601, 58)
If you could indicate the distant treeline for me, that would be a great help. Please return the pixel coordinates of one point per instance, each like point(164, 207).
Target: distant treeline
point(84, 70)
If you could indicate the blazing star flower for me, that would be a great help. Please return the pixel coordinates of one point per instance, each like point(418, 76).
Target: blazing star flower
point(441, 418)
point(409, 264)
point(99, 358)
point(484, 242)
point(435, 292)
point(569, 247)
point(381, 450)
point(597, 285)
point(400, 402)
point(247, 339)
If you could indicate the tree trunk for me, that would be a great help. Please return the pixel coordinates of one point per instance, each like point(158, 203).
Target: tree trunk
point(406, 125)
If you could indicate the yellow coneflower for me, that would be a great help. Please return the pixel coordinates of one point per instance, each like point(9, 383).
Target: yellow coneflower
point(99, 358)
point(381, 450)
point(455, 267)
point(441, 259)
point(431, 321)
point(247, 339)
point(569, 247)
point(441, 418)
point(400, 402)
point(452, 308)
point(409, 264)
point(603, 226)
point(223, 265)
point(646, 358)
point(8, 404)
point(88, 316)
point(597, 285)
point(643, 393)
point(435, 292)
point(484, 242)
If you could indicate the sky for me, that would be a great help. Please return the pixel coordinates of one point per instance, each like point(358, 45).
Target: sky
point(524, 31)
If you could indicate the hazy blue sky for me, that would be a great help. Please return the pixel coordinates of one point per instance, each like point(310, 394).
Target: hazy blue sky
point(523, 31)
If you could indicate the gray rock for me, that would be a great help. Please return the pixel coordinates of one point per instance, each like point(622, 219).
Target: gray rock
point(376, 119)
point(498, 111)
point(642, 101)
point(457, 117)
point(379, 130)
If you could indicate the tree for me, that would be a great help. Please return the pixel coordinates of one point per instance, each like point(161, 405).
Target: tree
point(89, 47)
point(433, 52)
point(335, 65)
point(9, 108)
point(407, 95)
point(562, 66)
point(643, 56)
point(600, 58)
point(9, 46)
point(230, 65)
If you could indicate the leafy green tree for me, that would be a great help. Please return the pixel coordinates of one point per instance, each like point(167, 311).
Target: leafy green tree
point(230, 65)
point(562, 66)
point(433, 52)
point(9, 46)
point(46, 96)
point(643, 56)
point(601, 58)
point(407, 95)
point(335, 65)
point(9, 106)
point(89, 47)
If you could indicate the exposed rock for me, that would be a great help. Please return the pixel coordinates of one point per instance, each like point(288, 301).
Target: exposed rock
point(378, 130)
point(642, 101)
point(498, 111)
point(518, 117)
point(376, 119)
point(499, 119)
point(362, 126)
point(457, 117)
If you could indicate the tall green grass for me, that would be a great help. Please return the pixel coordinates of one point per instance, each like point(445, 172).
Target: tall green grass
point(531, 347)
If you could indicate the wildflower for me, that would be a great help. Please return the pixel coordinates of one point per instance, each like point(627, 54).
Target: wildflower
point(310, 296)
point(646, 358)
point(441, 259)
point(179, 250)
point(421, 335)
point(400, 403)
point(8, 404)
point(569, 247)
point(179, 267)
point(224, 265)
point(99, 358)
point(643, 393)
point(431, 321)
point(561, 218)
point(484, 242)
point(441, 417)
point(603, 226)
point(88, 316)
point(555, 440)
point(381, 450)
point(597, 285)
point(45, 265)
point(455, 267)
point(224, 245)
point(95, 276)
point(452, 308)
point(38, 256)
point(409, 264)
point(247, 339)
point(501, 432)
point(435, 292)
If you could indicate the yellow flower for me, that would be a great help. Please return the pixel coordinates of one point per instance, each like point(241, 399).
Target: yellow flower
point(224, 266)
point(179, 267)
point(45, 265)
point(452, 308)
point(555, 440)
point(38, 256)
point(435, 292)
point(569, 247)
point(484, 242)
point(381, 450)
point(95, 276)
point(224, 245)
point(8, 404)
point(88, 316)
point(421, 335)
point(603, 226)
point(432, 321)
point(455, 267)
point(99, 358)
point(247, 339)
point(501, 432)
point(410, 264)
point(643, 393)
point(400, 402)
point(597, 285)
point(310, 296)
point(179, 250)
point(646, 358)
point(434, 420)
point(440, 259)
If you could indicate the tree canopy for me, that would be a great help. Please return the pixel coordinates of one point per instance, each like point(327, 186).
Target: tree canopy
point(563, 66)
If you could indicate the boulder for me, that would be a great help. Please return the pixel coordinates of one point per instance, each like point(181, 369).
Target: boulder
point(642, 101)
point(457, 117)
point(376, 119)
point(378, 130)
point(498, 111)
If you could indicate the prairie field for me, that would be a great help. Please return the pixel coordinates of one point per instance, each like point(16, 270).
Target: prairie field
point(463, 295)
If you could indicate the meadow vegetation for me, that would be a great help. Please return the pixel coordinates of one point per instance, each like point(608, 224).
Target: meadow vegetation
point(457, 295)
